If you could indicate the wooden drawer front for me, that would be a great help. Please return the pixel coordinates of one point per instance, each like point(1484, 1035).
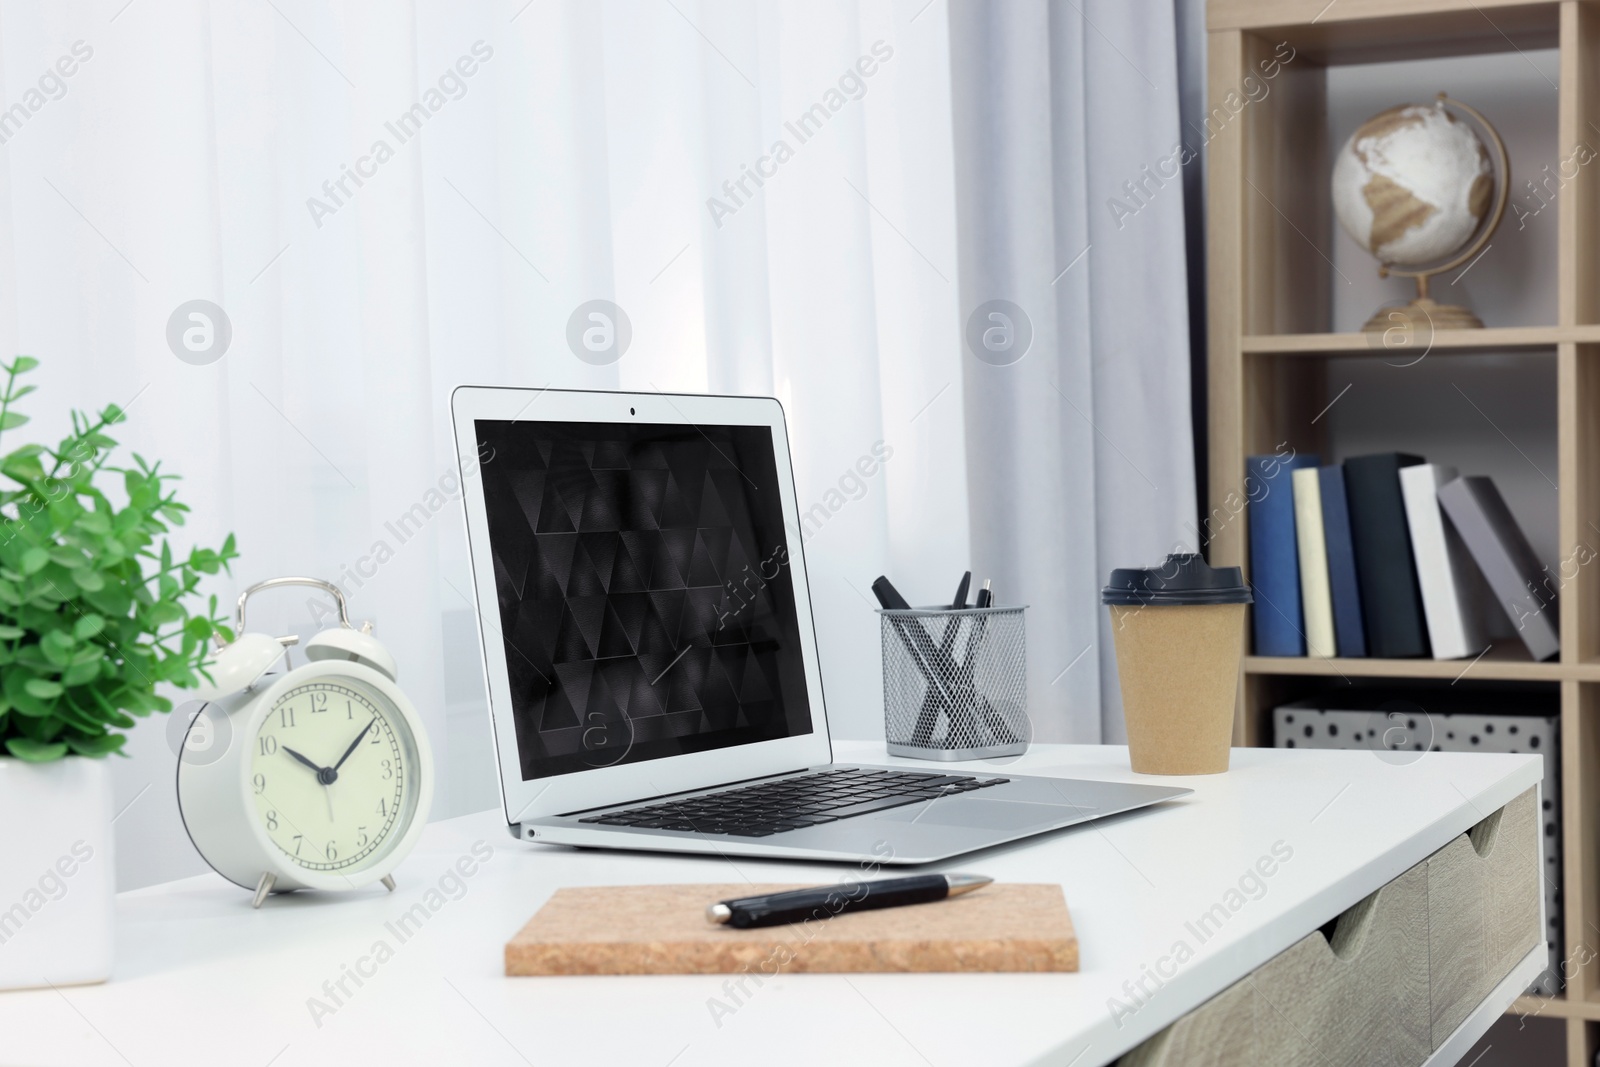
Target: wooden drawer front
point(1404, 968)
point(1363, 999)
point(1483, 910)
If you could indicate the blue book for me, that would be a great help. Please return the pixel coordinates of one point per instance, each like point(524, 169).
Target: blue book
point(1274, 554)
point(1349, 633)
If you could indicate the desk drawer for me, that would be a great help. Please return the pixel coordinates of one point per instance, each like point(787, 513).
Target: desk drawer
point(1483, 910)
point(1403, 970)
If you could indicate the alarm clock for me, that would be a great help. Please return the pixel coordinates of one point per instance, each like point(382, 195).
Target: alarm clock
point(315, 777)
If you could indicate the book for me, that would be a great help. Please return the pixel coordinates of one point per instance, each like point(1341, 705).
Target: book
point(1274, 556)
point(1316, 603)
point(1501, 551)
point(1349, 634)
point(1444, 571)
point(1391, 601)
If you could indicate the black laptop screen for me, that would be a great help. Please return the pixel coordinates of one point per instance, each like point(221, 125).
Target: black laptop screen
point(645, 601)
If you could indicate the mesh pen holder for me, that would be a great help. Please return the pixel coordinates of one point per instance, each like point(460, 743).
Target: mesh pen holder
point(955, 682)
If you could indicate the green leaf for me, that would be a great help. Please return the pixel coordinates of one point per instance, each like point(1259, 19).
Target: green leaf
point(76, 718)
point(12, 419)
point(87, 626)
point(10, 633)
point(103, 745)
point(34, 560)
point(165, 612)
point(81, 673)
point(90, 581)
point(22, 468)
point(95, 523)
point(35, 751)
point(22, 701)
point(22, 365)
point(42, 688)
point(57, 648)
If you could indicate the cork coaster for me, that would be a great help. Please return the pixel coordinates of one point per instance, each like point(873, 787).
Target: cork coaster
point(662, 929)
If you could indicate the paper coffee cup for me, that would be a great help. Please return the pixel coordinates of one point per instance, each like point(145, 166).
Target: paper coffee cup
point(1179, 633)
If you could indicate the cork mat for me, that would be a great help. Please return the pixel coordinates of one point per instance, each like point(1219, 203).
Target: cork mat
point(662, 929)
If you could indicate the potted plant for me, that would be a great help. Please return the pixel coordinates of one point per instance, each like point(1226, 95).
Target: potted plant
point(94, 618)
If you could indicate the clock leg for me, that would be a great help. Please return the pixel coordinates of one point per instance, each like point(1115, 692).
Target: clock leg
point(388, 882)
point(263, 887)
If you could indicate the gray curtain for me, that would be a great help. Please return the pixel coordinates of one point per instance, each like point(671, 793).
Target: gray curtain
point(1070, 207)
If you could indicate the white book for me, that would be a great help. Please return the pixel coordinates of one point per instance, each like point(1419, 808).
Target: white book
point(1444, 570)
point(1316, 596)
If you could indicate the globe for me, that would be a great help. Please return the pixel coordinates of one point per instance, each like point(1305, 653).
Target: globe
point(1412, 185)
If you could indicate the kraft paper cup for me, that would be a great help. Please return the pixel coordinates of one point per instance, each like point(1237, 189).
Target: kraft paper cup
point(1179, 644)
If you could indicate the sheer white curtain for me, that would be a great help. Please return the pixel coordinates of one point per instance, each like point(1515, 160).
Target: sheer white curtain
point(1080, 455)
point(388, 200)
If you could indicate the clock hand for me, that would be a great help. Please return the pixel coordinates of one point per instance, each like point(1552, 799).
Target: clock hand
point(325, 775)
point(354, 743)
point(302, 759)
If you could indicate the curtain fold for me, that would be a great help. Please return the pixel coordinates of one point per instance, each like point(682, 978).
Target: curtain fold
point(1080, 455)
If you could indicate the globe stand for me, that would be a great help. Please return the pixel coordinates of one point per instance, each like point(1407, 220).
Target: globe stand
point(1424, 313)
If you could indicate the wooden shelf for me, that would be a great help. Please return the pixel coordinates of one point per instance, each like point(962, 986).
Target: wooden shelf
point(1504, 662)
point(1270, 305)
point(1373, 31)
point(1505, 338)
point(1553, 1008)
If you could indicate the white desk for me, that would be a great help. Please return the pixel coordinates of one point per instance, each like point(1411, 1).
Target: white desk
point(202, 979)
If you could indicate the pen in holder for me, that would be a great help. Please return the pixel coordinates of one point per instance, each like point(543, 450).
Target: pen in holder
point(955, 682)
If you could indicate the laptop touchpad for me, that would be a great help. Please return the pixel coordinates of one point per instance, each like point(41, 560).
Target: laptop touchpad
point(981, 814)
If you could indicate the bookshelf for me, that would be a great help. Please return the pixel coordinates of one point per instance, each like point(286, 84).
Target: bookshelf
point(1270, 345)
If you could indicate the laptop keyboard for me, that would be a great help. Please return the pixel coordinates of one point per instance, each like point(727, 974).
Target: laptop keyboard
point(794, 803)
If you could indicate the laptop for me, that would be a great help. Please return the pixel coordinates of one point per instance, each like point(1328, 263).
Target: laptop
point(649, 650)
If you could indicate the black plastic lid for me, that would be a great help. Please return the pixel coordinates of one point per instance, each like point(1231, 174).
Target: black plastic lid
point(1185, 578)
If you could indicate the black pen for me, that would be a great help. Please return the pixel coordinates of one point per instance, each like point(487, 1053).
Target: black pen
point(997, 725)
point(912, 633)
point(960, 602)
point(826, 901)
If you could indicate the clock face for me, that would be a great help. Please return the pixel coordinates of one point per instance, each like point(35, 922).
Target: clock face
point(334, 774)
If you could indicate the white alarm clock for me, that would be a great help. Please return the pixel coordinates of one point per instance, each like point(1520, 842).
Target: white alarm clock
point(318, 777)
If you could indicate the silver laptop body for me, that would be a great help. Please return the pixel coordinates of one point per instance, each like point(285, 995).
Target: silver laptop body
point(647, 631)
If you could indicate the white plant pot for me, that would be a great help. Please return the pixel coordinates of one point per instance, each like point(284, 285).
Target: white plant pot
point(57, 878)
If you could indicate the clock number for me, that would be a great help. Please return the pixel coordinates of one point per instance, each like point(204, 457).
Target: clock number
point(361, 838)
point(269, 745)
point(349, 710)
point(383, 807)
point(388, 770)
point(332, 853)
point(373, 729)
point(260, 781)
point(272, 820)
point(297, 842)
point(285, 717)
point(319, 703)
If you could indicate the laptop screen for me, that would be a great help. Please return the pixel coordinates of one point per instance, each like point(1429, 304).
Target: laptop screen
point(645, 602)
